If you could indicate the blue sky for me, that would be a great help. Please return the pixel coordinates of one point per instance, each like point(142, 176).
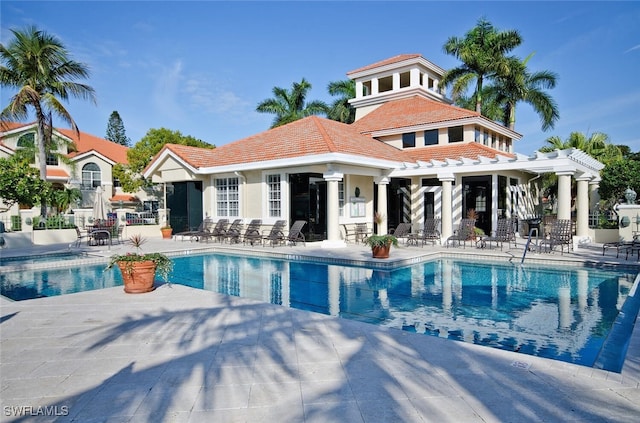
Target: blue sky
point(202, 67)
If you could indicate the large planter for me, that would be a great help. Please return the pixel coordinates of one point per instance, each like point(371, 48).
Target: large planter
point(166, 232)
point(138, 276)
point(381, 251)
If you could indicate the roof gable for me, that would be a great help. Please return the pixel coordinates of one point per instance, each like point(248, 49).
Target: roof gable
point(87, 142)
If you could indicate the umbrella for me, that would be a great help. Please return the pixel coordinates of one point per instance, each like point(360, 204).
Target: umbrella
point(99, 211)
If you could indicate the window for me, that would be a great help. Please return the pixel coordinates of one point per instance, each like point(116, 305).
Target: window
point(431, 182)
point(275, 195)
point(227, 197)
point(409, 140)
point(27, 142)
point(456, 134)
point(91, 176)
point(431, 137)
point(52, 159)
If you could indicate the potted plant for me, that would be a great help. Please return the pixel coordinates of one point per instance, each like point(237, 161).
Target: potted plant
point(381, 244)
point(139, 269)
point(167, 232)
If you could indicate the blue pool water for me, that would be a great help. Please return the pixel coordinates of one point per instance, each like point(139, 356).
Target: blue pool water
point(560, 313)
point(17, 261)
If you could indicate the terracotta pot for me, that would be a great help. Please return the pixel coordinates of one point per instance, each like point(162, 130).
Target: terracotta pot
point(381, 251)
point(166, 232)
point(138, 276)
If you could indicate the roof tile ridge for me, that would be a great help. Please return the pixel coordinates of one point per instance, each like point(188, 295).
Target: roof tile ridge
point(325, 135)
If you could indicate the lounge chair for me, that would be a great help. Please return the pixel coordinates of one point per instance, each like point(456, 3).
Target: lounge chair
point(276, 234)
point(295, 233)
point(559, 234)
point(234, 232)
point(429, 233)
point(403, 230)
point(215, 232)
point(204, 225)
point(252, 234)
point(465, 232)
point(504, 233)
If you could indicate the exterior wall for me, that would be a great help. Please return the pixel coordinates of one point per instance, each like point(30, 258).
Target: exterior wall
point(366, 185)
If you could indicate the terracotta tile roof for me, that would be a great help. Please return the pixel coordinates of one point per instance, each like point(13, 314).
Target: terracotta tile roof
point(305, 137)
point(56, 172)
point(411, 111)
point(87, 142)
point(468, 150)
point(126, 198)
point(394, 59)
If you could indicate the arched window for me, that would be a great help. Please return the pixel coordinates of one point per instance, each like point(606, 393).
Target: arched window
point(91, 177)
point(27, 142)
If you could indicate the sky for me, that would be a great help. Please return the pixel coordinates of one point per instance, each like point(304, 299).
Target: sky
point(202, 67)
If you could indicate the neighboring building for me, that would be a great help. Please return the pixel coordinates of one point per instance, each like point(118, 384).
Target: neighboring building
point(410, 155)
point(92, 160)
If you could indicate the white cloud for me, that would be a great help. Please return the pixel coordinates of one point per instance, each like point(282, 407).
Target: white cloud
point(636, 47)
point(166, 90)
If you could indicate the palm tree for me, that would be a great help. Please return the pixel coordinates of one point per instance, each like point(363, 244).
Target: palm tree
point(482, 52)
point(289, 106)
point(39, 67)
point(597, 145)
point(518, 84)
point(340, 109)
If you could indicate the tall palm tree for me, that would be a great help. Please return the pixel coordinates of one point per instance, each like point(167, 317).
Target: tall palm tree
point(482, 52)
point(289, 106)
point(39, 66)
point(517, 84)
point(340, 109)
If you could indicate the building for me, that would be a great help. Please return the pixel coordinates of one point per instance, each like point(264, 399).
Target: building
point(410, 155)
point(90, 162)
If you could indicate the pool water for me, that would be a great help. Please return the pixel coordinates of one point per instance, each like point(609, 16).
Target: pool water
point(17, 261)
point(563, 313)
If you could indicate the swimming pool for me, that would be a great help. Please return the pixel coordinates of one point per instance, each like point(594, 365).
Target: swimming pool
point(563, 313)
point(21, 260)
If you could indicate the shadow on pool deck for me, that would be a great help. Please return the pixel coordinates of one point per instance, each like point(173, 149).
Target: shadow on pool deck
point(182, 354)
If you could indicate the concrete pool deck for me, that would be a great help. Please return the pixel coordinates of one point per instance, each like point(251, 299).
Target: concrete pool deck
point(185, 355)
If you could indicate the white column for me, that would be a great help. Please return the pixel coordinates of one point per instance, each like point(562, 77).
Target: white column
point(359, 89)
point(333, 210)
point(381, 208)
point(594, 195)
point(447, 208)
point(396, 81)
point(564, 194)
point(414, 77)
point(333, 276)
point(375, 87)
point(582, 206)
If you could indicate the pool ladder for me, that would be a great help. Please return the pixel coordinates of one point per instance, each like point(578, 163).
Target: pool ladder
point(526, 247)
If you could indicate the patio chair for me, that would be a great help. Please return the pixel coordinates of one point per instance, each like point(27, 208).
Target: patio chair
point(504, 233)
point(252, 234)
point(403, 230)
point(362, 232)
point(80, 236)
point(621, 245)
point(204, 225)
point(234, 232)
point(560, 233)
point(276, 234)
point(465, 232)
point(429, 233)
point(295, 233)
point(211, 232)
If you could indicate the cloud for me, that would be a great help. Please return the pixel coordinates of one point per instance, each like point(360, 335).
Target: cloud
point(636, 47)
point(165, 93)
